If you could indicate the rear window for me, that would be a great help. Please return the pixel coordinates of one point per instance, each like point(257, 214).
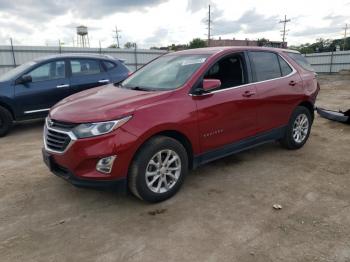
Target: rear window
point(285, 68)
point(300, 60)
point(266, 65)
point(109, 65)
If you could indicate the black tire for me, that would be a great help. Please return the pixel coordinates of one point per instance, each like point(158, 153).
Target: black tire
point(289, 141)
point(137, 171)
point(6, 121)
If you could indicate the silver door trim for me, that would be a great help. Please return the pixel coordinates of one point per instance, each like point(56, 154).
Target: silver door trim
point(36, 111)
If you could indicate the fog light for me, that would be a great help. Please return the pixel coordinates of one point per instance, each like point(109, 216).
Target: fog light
point(104, 165)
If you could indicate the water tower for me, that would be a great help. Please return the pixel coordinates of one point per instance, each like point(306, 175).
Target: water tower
point(82, 36)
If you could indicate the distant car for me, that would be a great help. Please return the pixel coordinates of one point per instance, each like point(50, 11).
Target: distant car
point(180, 111)
point(31, 89)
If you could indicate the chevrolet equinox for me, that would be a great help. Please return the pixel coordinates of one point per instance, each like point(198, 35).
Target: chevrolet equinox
point(180, 111)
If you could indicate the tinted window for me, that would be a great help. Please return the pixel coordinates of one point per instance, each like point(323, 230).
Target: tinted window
point(229, 70)
point(300, 60)
point(85, 67)
point(266, 65)
point(109, 65)
point(49, 71)
point(285, 68)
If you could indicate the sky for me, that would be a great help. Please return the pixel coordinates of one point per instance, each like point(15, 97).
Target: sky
point(164, 22)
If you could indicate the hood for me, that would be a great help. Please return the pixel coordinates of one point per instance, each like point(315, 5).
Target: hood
point(102, 104)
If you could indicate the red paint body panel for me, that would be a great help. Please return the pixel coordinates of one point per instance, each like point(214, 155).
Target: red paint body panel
point(208, 122)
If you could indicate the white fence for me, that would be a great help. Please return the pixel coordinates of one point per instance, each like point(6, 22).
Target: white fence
point(329, 62)
point(12, 56)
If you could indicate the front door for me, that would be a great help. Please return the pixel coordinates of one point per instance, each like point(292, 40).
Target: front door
point(49, 85)
point(228, 114)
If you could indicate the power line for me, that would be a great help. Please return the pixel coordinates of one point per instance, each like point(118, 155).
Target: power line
point(284, 31)
point(117, 36)
point(345, 32)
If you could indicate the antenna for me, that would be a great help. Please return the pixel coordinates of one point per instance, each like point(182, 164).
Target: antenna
point(209, 21)
point(117, 36)
point(345, 32)
point(284, 31)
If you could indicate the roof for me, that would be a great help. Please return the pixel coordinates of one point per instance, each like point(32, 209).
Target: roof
point(219, 49)
point(77, 55)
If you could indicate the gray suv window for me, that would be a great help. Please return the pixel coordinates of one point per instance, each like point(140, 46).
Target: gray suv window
point(300, 60)
point(285, 68)
point(266, 65)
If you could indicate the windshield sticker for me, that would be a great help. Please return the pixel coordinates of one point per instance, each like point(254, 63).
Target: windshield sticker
point(194, 61)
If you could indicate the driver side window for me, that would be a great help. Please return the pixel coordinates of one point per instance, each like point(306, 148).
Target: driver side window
point(229, 70)
point(48, 71)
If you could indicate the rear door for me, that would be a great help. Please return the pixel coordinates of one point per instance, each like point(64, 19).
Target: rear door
point(87, 73)
point(278, 87)
point(49, 85)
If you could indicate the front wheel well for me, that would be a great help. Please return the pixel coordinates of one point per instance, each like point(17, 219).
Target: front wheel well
point(179, 137)
point(8, 108)
point(309, 106)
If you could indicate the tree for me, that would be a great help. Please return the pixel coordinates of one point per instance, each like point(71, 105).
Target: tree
point(129, 45)
point(197, 43)
point(113, 46)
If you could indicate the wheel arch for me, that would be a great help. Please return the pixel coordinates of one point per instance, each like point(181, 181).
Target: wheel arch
point(309, 106)
point(8, 108)
point(177, 135)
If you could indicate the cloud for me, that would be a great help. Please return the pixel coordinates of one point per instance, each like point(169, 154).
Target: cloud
point(196, 5)
point(157, 37)
point(336, 22)
point(41, 10)
point(249, 22)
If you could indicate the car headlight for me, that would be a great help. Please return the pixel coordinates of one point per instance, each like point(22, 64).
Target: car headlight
point(96, 129)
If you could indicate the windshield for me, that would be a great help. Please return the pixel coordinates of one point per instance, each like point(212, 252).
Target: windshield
point(16, 71)
point(165, 73)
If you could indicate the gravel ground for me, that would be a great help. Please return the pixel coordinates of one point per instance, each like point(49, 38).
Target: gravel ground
point(223, 212)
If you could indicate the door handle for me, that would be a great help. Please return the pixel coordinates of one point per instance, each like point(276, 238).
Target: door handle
point(248, 93)
point(62, 86)
point(292, 83)
point(102, 81)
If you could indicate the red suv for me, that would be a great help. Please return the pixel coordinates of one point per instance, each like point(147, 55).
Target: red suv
point(180, 111)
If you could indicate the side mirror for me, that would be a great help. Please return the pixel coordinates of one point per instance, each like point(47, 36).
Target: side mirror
point(211, 84)
point(24, 79)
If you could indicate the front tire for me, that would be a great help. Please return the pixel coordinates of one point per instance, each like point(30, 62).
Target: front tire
point(298, 129)
point(158, 169)
point(6, 121)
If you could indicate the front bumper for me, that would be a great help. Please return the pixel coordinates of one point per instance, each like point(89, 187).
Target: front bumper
point(67, 175)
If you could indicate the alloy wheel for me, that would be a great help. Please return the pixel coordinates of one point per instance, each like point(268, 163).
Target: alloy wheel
point(300, 128)
point(163, 171)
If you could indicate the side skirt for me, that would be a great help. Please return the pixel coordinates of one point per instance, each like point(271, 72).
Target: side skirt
point(239, 146)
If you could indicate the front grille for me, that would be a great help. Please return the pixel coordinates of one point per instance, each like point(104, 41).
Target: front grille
point(57, 141)
point(62, 125)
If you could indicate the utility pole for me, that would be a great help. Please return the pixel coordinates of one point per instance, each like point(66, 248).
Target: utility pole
point(345, 31)
point(209, 25)
point(117, 36)
point(284, 31)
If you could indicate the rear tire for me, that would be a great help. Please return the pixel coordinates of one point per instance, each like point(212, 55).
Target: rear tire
point(6, 121)
point(158, 169)
point(298, 129)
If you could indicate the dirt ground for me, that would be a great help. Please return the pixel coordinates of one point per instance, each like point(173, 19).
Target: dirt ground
point(223, 212)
